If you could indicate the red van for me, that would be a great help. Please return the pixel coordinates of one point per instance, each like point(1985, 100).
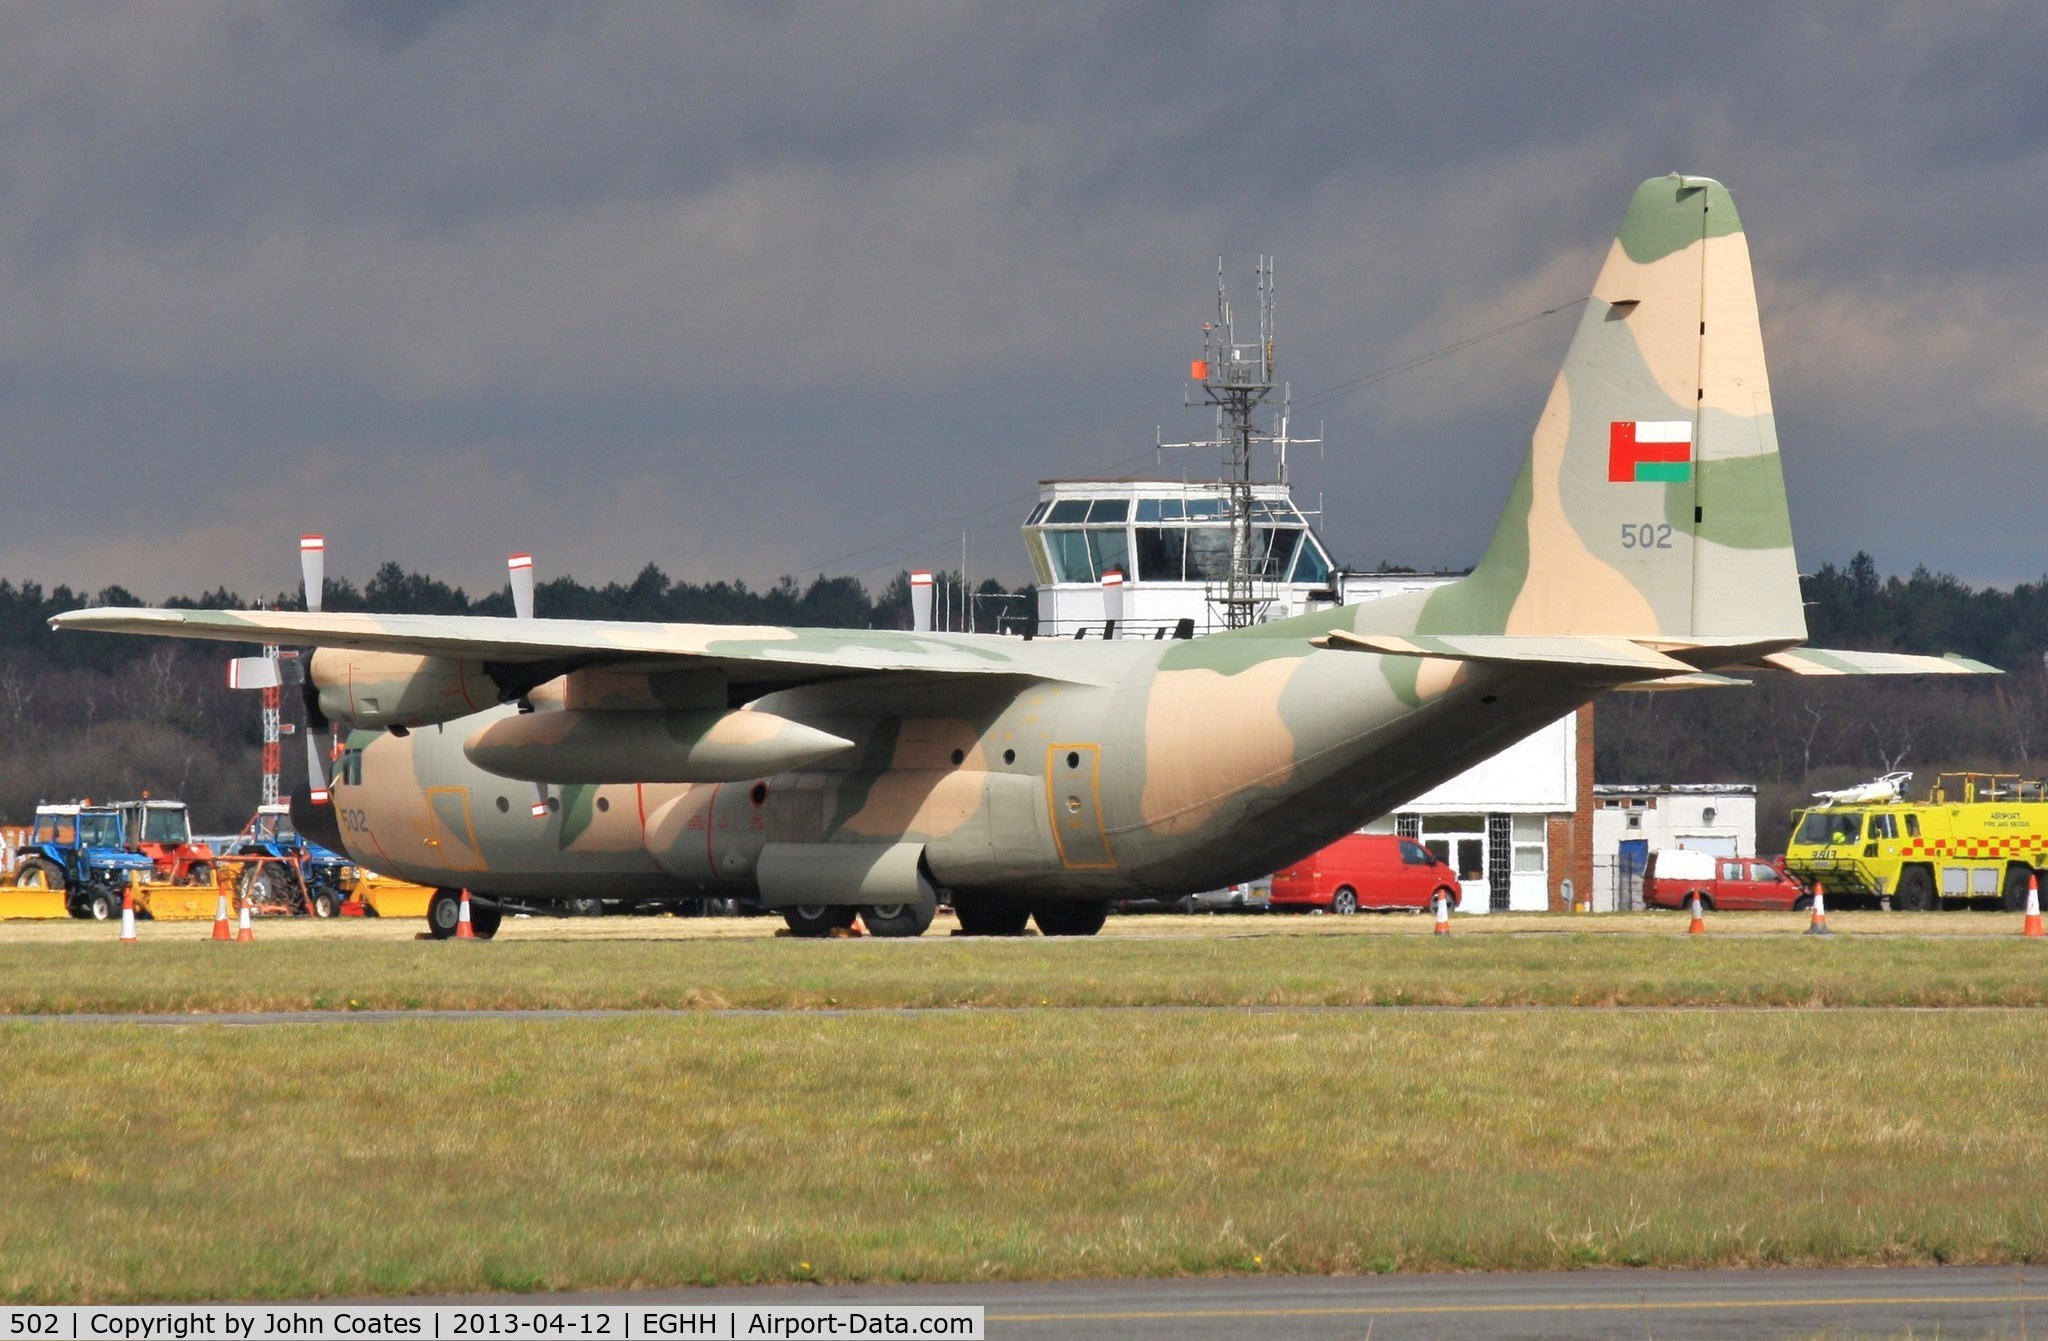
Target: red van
point(1365, 870)
point(1723, 882)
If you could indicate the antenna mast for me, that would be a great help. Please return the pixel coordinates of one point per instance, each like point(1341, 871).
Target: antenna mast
point(1236, 376)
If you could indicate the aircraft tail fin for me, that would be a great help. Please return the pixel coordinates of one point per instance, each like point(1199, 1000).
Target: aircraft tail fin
point(1652, 501)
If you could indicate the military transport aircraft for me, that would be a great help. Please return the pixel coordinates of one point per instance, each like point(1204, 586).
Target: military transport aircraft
point(1646, 543)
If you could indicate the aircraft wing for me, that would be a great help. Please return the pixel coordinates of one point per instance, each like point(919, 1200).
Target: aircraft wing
point(747, 653)
point(1828, 661)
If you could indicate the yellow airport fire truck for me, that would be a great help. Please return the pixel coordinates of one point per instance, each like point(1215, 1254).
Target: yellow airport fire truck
point(1976, 836)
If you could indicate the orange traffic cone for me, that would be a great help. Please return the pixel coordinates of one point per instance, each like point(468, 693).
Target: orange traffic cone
point(1443, 916)
point(1819, 925)
point(1699, 923)
point(462, 931)
point(2032, 926)
point(221, 930)
point(128, 915)
point(247, 933)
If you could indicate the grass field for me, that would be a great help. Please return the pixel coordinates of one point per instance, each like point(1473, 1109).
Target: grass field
point(375, 1158)
point(637, 963)
point(1059, 1138)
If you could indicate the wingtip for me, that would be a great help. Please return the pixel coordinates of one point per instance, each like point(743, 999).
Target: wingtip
point(114, 617)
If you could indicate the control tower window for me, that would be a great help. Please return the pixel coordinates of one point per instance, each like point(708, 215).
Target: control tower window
point(1311, 566)
point(1068, 511)
point(1160, 552)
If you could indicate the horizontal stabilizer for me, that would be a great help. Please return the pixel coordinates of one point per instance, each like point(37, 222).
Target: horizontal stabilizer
point(1696, 680)
point(1565, 653)
point(1828, 661)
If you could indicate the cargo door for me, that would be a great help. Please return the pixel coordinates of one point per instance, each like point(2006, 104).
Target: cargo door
point(1073, 797)
point(451, 840)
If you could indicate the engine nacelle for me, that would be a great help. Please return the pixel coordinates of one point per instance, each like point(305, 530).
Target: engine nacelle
point(381, 689)
point(601, 745)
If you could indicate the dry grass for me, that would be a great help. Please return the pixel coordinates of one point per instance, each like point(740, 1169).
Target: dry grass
point(635, 963)
point(415, 1156)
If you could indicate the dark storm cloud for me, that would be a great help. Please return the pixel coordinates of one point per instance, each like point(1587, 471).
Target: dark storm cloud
point(743, 288)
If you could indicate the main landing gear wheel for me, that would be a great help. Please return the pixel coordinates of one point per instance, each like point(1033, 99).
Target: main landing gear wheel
point(898, 919)
point(1082, 918)
point(1916, 891)
point(1344, 902)
point(484, 922)
point(981, 918)
point(812, 920)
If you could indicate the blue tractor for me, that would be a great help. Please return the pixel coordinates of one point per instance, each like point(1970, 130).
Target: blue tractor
point(80, 850)
point(297, 875)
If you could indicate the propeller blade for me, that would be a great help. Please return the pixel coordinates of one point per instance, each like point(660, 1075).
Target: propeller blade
point(253, 673)
point(921, 602)
point(520, 568)
point(319, 744)
point(313, 568)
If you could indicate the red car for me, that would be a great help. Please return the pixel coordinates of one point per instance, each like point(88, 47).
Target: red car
point(1723, 882)
point(1365, 870)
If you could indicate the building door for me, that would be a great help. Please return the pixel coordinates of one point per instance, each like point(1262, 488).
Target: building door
point(1628, 874)
point(1459, 842)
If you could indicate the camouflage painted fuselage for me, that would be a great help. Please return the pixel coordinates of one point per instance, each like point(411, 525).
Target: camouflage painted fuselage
point(1100, 769)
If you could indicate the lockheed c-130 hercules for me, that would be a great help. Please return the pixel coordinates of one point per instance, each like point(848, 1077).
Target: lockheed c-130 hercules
point(1646, 544)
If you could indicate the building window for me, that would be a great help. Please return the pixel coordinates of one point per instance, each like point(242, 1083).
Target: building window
point(1529, 845)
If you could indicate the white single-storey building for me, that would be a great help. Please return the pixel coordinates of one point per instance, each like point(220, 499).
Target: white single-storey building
point(1630, 821)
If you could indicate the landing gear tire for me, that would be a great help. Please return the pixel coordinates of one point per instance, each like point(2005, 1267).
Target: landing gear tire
point(1344, 902)
point(979, 918)
point(484, 922)
point(1916, 891)
point(2015, 899)
point(1082, 918)
point(898, 919)
point(444, 910)
point(814, 920)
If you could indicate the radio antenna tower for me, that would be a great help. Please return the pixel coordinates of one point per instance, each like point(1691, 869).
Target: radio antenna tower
point(1236, 376)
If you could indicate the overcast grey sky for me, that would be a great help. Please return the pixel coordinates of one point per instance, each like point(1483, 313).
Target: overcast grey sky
point(760, 288)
